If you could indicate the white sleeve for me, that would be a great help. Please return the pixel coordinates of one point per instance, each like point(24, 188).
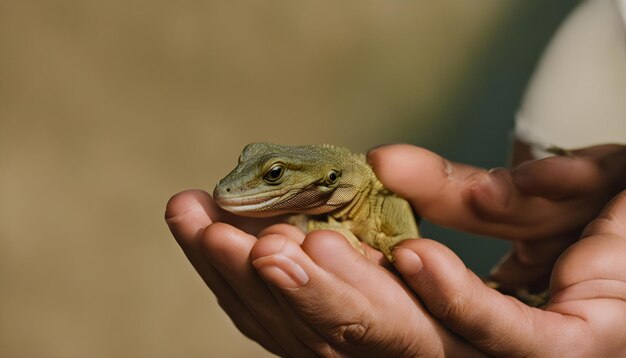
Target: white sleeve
point(577, 96)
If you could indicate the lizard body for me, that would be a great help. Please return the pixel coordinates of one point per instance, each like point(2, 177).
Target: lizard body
point(334, 188)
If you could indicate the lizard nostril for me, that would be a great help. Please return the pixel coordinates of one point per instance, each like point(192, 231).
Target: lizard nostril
point(228, 190)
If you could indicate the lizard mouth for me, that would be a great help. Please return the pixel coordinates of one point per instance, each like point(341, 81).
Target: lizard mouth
point(252, 204)
point(274, 202)
point(246, 203)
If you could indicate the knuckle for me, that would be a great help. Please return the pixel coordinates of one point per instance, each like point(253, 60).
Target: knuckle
point(354, 332)
point(350, 332)
point(358, 338)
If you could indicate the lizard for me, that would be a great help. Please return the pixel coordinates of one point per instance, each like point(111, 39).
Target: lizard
point(325, 186)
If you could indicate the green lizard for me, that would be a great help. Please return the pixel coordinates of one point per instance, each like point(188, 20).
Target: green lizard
point(334, 188)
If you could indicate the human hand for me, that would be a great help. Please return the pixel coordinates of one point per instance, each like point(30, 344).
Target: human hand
point(584, 318)
point(541, 206)
point(304, 296)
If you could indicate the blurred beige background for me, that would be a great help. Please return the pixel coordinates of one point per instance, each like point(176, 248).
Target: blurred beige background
point(107, 108)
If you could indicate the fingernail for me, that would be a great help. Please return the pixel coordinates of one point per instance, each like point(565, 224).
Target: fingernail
point(371, 152)
point(407, 262)
point(281, 271)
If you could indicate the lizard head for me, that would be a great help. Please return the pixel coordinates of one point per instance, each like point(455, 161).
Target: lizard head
point(272, 179)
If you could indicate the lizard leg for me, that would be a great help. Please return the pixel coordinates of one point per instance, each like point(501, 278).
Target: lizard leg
point(336, 226)
point(386, 244)
point(397, 224)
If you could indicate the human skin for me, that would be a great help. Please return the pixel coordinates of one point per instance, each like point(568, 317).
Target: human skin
point(320, 307)
point(304, 296)
point(542, 206)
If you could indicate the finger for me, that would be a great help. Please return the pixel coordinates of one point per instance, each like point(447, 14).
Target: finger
point(612, 219)
point(286, 230)
point(303, 329)
point(585, 171)
point(591, 267)
point(497, 324)
point(558, 177)
point(245, 322)
point(294, 233)
point(376, 256)
point(310, 291)
point(442, 191)
point(429, 181)
point(227, 249)
point(473, 199)
point(247, 224)
point(599, 255)
point(592, 173)
point(345, 297)
point(529, 264)
point(187, 215)
point(483, 202)
point(589, 279)
point(457, 195)
point(601, 150)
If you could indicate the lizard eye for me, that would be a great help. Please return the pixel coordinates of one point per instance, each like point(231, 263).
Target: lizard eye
point(275, 173)
point(332, 176)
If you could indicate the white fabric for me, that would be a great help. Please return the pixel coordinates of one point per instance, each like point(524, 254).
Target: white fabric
point(577, 96)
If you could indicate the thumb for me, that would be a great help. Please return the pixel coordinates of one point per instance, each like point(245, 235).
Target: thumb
point(494, 323)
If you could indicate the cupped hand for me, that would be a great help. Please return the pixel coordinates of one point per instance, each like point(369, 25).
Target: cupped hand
point(304, 296)
point(541, 206)
point(584, 318)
